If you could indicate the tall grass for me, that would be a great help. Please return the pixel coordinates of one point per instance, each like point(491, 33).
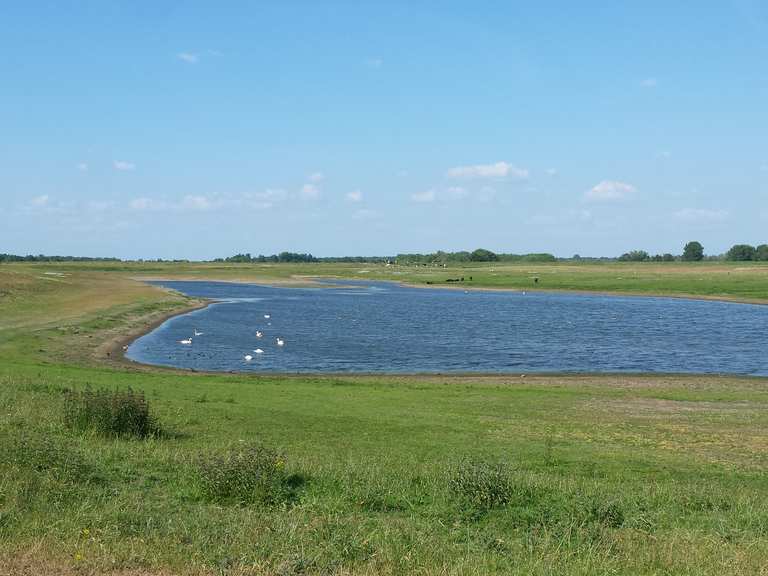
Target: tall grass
point(116, 413)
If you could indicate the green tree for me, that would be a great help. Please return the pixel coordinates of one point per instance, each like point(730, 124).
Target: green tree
point(741, 252)
point(761, 252)
point(635, 256)
point(483, 255)
point(693, 252)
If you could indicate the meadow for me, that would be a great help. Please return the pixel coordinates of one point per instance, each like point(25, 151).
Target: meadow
point(517, 474)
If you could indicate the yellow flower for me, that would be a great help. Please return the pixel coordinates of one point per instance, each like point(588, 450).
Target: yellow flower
point(78, 557)
point(86, 532)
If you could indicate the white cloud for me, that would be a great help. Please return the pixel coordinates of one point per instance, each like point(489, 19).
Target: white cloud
point(40, 201)
point(551, 172)
point(457, 192)
point(497, 170)
point(610, 190)
point(364, 214)
point(82, 166)
point(196, 203)
point(355, 196)
point(374, 62)
point(123, 166)
point(188, 57)
point(310, 192)
point(316, 177)
point(701, 215)
point(145, 204)
point(664, 155)
point(98, 206)
point(649, 82)
point(423, 197)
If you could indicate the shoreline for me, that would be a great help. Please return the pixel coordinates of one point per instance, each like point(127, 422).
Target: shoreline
point(307, 282)
point(113, 350)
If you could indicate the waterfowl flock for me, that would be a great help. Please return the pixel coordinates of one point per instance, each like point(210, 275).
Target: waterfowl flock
point(280, 342)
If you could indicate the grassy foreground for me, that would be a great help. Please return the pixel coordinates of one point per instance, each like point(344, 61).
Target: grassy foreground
point(372, 475)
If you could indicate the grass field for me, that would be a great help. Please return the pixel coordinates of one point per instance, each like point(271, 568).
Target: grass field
point(371, 475)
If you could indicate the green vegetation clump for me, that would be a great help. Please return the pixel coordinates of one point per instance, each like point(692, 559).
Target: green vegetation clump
point(248, 474)
point(693, 252)
point(117, 413)
point(482, 484)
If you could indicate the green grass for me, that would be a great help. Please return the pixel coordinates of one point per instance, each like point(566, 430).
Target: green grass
point(361, 475)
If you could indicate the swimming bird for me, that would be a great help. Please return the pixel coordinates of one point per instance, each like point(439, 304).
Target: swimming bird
point(186, 341)
point(280, 342)
point(267, 316)
point(259, 351)
point(259, 334)
point(198, 333)
point(248, 357)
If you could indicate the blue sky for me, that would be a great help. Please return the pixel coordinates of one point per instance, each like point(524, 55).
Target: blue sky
point(196, 130)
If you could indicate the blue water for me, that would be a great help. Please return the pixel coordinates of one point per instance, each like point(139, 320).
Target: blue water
point(384, 327)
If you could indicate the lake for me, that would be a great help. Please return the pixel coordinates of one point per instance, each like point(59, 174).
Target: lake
point(384, 327)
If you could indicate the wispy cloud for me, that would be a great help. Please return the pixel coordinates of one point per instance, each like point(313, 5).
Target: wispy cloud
point(609, 191)
point(374, 62)
point(649, 82)
point(196, 203)
point(764, 167)
point(310, 192)
point(188, 57)
point(457, 192)
point(316, 177)
point(40, 201)
point(123, 165)
point(700, 215)
point(497, 170)
point(423, 197)
point(355, 196)
point(82, 166)
point(364, 214)
point(551, 172)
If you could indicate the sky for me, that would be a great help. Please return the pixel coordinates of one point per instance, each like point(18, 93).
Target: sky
point(203, 129)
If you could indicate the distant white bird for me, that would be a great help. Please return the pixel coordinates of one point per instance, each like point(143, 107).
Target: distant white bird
point(259, 351)
point(198, 333)
point(259, 334)
point(186, 341)
point(280, 342)
point(248, 357)
point(267, 316)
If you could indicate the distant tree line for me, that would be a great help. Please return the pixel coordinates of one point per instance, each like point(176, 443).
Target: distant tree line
point(479, 255)
point(44, 258)
point(300, 257)
point(694, 251)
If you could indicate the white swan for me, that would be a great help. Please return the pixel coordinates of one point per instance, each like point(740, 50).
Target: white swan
point(280, 342)
point(186, 341)
point(248, 357)
point(267, 316)
point(259, 351)
point(259, 334)
point(198, 333)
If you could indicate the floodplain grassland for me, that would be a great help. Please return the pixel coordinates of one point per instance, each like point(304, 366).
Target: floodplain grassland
point(548, 474)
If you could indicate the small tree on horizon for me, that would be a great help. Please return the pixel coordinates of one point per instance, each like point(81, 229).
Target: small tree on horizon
point(693, 252)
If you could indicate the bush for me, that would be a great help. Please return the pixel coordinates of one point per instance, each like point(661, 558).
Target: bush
point(246, 475)
point(483, 485)
point(116, 413)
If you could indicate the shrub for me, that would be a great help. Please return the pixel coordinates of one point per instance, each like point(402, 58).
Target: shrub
point(481, 484)
point(246, 475)
point(117, 413)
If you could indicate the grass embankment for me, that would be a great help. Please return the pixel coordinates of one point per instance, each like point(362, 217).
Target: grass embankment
point(362, 475)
